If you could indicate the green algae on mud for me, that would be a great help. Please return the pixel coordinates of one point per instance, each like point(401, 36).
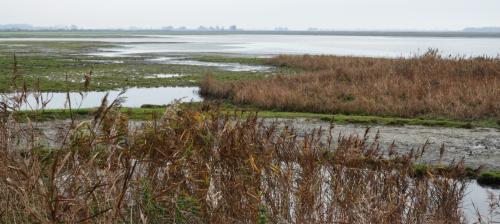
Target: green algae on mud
point(107, 73)
point(146, 111)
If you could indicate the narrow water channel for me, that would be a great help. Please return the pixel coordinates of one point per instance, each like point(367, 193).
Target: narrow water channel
point(134, 97)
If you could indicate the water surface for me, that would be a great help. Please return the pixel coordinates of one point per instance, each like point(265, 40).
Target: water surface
point(134, 97)
point(477, 198)
point(226, 66)
point(265, 44)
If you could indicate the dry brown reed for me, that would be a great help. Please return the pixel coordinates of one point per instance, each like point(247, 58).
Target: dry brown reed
point(427, 85)
point(205, 167)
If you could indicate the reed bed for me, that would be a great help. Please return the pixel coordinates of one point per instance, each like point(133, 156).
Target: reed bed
point(190, 166)
point(421, 86)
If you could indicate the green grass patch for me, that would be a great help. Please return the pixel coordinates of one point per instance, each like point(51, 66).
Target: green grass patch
point(368, 119)
point(421, 169)
point(486, 178)
point(491, 178)
point(62, 114)
point(394, 121)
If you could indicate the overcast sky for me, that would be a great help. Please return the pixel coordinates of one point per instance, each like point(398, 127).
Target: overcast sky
point(256, 14)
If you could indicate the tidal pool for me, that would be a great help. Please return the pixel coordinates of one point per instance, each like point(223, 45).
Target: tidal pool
point(233, 67)
point(163, 76)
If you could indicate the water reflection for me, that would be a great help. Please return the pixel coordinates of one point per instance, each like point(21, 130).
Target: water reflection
point(134, 97)
point(384, 46)
point(233, 67)
point(477, 197)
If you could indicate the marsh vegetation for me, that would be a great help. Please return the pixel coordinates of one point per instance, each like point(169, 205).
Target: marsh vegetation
point(185, 166)
point(425, 86)
point(56, 66)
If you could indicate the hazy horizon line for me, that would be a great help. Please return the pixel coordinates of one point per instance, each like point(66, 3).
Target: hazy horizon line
point(28, 27)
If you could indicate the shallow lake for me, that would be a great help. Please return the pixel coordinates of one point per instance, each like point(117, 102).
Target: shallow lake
point(265, 44)
point(134, 97)
point(318, 44)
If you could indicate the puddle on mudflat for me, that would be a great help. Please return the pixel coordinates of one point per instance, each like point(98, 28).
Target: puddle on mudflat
point(105, 61)
point(458, 142)
point(233, 67)
point(163, 76)
point(134, 97)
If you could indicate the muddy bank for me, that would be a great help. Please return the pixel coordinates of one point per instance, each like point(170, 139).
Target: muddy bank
point(482, 144)
point(479, 146)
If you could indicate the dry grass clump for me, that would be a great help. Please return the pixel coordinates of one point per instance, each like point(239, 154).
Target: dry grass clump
point(427, 85)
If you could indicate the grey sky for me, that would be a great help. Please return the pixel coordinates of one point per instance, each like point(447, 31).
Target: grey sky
point(256, 14)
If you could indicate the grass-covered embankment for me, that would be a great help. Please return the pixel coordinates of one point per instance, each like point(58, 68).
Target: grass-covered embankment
point(489, 178)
